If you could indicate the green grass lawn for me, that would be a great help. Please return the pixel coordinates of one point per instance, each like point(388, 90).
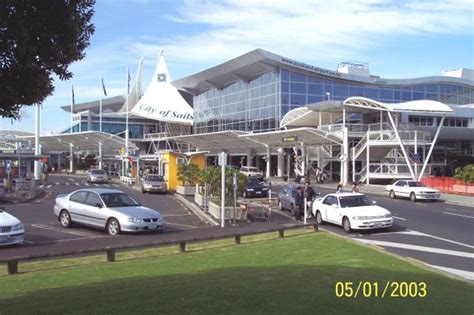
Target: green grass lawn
point(265, 274)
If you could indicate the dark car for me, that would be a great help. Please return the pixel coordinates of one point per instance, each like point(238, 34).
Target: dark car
point(255, 188)
point(286, 198)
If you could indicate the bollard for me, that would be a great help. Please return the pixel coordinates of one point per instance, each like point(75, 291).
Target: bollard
point(12, 267)
point(237, 239)
point(182, 247)
point(110, 255)
point(316, 227)
point(281, 233)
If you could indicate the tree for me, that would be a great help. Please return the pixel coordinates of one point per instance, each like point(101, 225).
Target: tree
point(39, 39)
point(188, 174)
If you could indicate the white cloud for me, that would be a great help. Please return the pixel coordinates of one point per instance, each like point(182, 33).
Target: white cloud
point(307, 30)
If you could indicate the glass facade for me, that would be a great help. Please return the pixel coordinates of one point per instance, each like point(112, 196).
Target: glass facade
point(259, 105)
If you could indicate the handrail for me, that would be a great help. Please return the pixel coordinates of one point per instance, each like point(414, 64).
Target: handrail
point(237, 233)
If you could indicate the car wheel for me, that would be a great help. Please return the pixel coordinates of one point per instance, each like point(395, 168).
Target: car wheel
point(244, 194)
point(65, 219)
point(113, 227)
point(412, 196)
point(392, 194)
point(346, 224)
point(280, 206)
point(319, 218)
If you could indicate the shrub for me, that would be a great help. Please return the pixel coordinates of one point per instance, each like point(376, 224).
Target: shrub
point(465, 174)
point(189, 174)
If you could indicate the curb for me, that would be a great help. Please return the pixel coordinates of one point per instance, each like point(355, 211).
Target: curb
point(196, 210)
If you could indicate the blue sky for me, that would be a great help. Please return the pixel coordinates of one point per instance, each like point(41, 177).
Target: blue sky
point(399, 39)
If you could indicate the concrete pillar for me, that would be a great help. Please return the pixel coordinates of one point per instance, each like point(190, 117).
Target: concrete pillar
point(280, 163)
point(288, 163)
point(257, 161)
point(269, 159)
point(249, 159)
point(59, 163)
point(71, 158)
point(100, 155)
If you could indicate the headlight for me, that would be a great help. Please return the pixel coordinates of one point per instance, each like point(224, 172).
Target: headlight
point(135, 220)
point(18, 227)
point(249, 189)
point(388, 215)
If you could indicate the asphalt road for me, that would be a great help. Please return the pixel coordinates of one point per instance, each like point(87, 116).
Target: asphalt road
point(437, 234)
point(42, 228)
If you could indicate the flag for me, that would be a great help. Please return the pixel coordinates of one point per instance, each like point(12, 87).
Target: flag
point(128, 81)
point(103, 86)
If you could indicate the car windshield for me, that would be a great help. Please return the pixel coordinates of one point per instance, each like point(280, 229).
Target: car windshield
point(354, 201)
point(97, 172)
point(154, 178)
point(416, 184)
point(254, 180)
point(112, 200)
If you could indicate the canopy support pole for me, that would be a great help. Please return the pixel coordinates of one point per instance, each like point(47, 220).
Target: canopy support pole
point(401, 145)
point(425, 162)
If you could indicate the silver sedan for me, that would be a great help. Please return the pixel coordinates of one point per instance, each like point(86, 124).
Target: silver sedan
point(110, 209)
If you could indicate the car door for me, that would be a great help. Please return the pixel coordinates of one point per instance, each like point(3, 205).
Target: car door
point(332, 210)
point(399, 188)
point(94, 211)
point(77, 203)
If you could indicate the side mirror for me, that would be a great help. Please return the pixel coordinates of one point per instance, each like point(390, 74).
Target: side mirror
point(374, 202)
point(98, 205)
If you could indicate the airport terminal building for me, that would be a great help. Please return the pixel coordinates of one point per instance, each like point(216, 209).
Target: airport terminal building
point(287, 118)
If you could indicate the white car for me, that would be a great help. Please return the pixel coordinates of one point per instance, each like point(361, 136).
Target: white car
point(97, 176)
point(352, 211)
point(108, 209)
point(413, 190)
point(251, 171)
point(11, 229)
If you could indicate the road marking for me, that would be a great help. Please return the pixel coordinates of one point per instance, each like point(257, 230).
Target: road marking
point(41, 186)
point(459, 272)
point(28, 242)
point(57, 183)
point(411, 232)
point(462, 210)
point(421, 204)
point(71, 179)
point(87, 184)
point(67, 184)
point(50, 228)
point(96, 185)
point(77, 184)
point(115, 185)
point(400, 218)
point(106, 185)
point(459, 215)
point(178, 224)
point(49, 186)
point(419, 248)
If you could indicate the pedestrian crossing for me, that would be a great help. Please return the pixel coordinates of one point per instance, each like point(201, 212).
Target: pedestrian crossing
point(84, 183)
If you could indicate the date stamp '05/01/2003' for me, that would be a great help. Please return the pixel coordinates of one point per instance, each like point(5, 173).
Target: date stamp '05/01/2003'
point(389, 289)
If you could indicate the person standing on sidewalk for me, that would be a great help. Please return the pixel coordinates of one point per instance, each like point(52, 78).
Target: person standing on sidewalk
point(309, 194)
point(299, 203)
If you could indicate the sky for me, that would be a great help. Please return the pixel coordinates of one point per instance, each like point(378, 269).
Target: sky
point(398, 39)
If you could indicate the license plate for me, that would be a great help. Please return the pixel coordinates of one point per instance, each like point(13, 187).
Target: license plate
point(378, 224)
point(156, 186)
point(152, 226)
point(258, 192)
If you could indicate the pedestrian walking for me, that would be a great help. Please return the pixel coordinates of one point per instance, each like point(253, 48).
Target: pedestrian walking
point(354, 187)
point(309, 194)
point(299, 203)
point(339, 188)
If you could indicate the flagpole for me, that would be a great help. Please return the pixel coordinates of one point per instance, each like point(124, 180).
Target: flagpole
point(126, 119)
point(72, 105)
point(100, 107)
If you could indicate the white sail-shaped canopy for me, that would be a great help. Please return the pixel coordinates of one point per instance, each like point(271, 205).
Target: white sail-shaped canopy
point(162, 101)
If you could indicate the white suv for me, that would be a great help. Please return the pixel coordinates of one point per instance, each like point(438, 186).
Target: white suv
point(251, 171)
